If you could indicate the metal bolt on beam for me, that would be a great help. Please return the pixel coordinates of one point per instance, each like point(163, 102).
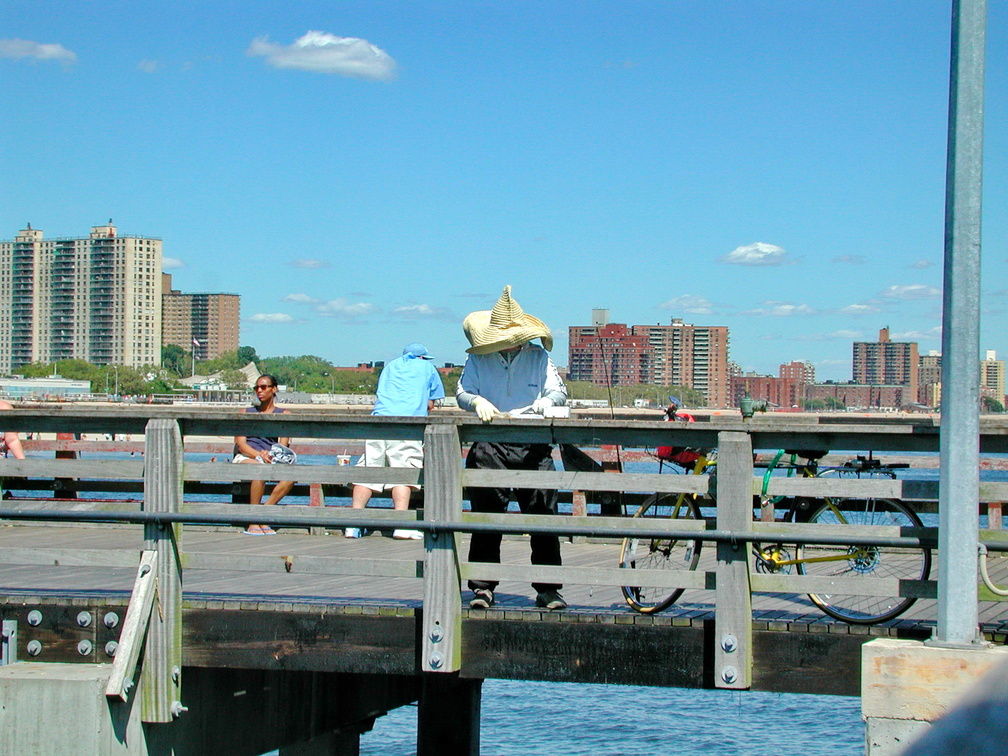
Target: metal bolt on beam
point(729, 643)
point(111, 647)
point(437, 633)
point(729, 674)
point(85, 647)
point(84, 619)
point(111, 619)
point(177, 709)
point(436, 660)
point(34, 648)
point(34, 618)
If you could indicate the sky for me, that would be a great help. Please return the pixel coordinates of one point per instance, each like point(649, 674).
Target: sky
point(364, 174)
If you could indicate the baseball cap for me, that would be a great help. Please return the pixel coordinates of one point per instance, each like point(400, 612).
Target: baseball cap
point(416, 349)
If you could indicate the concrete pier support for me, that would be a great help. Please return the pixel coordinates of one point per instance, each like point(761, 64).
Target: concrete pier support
point(57, 709)
point(53, 708)
point(906, 685)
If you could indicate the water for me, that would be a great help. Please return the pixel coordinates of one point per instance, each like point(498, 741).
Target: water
point(521, 718)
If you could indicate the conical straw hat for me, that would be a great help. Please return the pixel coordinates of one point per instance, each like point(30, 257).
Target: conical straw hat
point(503, 327)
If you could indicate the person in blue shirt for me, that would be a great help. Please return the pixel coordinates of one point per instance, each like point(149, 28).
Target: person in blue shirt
point(505, 374)
point(408, 386)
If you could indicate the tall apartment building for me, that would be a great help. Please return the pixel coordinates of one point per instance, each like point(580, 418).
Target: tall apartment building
point(96, 299)
point(886, 363)
point(608, 355)
point(992, 377)
point(204, 323)
point(679, 354)
point(692, 356)
point(803, 372)
point(929, 379)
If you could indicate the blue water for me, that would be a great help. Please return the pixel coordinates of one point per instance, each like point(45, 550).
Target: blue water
point(563, 719)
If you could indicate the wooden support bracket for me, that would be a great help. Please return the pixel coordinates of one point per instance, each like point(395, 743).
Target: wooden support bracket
point(134, 628)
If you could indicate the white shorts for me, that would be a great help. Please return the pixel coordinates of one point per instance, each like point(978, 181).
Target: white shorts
point(378, 453)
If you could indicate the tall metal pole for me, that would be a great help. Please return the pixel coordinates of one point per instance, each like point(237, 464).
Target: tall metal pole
point(959, 489)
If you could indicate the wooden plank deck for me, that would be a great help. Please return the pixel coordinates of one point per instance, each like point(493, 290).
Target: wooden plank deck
point(289, 546)
point(279, 620)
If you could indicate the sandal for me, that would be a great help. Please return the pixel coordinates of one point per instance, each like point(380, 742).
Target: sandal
point(267, 530)
point(254, 530)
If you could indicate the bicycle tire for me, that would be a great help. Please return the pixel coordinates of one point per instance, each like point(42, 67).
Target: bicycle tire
point(875, 561)
point(660, 553)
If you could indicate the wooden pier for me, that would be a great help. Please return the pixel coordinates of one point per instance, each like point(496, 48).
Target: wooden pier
point(314, 636)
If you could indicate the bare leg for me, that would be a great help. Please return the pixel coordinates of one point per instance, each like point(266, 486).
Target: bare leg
point(281, 489)
point(400, 498)
point(256, 490)
point(361, 496)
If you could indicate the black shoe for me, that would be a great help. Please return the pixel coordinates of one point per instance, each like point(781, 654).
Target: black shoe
point(483, 598)
point(551, 600)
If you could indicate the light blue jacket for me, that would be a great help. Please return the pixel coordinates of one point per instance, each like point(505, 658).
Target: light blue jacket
point(405, 385)
point(510, 386)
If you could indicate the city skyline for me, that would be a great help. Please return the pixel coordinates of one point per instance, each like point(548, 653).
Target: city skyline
point(365, 176)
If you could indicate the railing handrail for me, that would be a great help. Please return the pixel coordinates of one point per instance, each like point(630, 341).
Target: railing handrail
point(773, 431)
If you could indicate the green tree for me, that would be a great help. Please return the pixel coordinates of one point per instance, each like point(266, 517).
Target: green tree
point(247, 354)
point(990, 404)
point(234, 379)
point(176, 359)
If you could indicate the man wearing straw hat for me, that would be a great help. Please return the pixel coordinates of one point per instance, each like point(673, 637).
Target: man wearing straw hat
point(505, 374)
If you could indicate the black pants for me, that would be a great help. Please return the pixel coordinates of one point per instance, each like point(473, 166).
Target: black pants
point(485, 547)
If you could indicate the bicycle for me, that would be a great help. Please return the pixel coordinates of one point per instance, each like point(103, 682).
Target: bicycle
point(851, 560)
point(666, 553)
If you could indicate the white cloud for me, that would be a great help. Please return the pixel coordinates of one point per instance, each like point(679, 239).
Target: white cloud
point(18, 49)
point(340, 308)
point(927, 335)
point(781, 310)
point(912, 292)
point(271, 317)
point(922, 265)
point(301, 299)
point(759, 253)
point(851, 259)
point(309, 264)
point(169, 263)
point(149, 66)
point(423, 312)
point(321, 52)
point(860, 309)
point(692, 304)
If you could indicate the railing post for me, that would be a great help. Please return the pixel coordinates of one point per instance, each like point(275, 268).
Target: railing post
point(161, 672)
point(442, 605)
point(733, 599)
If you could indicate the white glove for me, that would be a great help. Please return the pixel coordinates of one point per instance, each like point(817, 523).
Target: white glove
point(485, 411)
point(539, 405)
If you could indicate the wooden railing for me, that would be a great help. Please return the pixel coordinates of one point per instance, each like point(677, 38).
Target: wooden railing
point(163, 512)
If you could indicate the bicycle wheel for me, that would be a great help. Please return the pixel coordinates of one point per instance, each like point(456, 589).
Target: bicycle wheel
point(864, 561)
point(660, 553)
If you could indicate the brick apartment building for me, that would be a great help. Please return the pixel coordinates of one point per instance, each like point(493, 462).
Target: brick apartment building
point(678, 354)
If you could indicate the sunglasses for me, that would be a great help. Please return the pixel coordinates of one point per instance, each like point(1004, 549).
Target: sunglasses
point(264, 386)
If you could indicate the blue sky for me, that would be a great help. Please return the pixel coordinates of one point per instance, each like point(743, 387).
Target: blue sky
point(365, 174)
